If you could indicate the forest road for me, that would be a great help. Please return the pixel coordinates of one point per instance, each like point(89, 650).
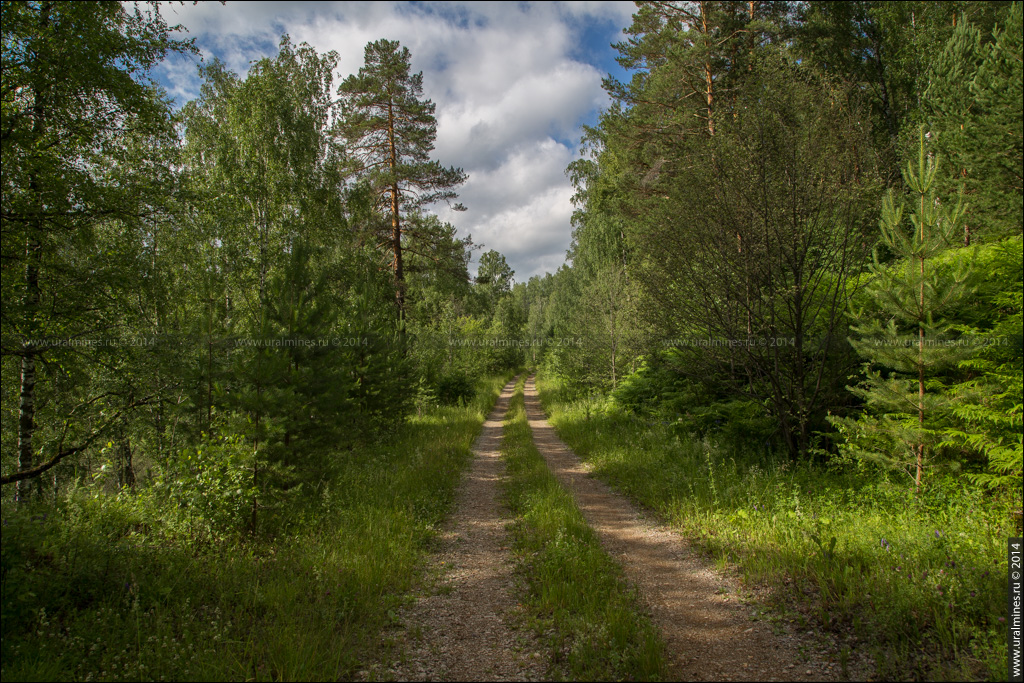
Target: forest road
point(710, 635)
point(460, 630)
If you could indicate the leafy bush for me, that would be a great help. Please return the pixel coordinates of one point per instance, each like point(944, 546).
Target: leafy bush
point(455, 389)
point(658, 390)
point(211, 482)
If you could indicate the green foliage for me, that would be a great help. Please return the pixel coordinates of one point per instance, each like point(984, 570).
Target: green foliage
point(454, 389)
point(143, 587)
point(576, 595)
point(987, 406)
point(973, 105)
point(210, 485)
point(84, 157)
point(659, 391)
point(903, 330)
point(317, 360)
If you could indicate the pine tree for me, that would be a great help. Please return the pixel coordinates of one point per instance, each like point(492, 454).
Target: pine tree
point(973, 106)
point(902, 333)
point(391, 132)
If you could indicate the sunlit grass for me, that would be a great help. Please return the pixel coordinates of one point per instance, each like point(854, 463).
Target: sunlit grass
point(576, 597)
point(920, 582)
point(98, 587)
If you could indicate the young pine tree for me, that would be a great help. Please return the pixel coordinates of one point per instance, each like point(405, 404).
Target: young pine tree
point(902, 333)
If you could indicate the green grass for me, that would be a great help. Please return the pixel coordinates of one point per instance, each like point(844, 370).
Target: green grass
point(575, 595)
point(920, 582)
point(100, 587)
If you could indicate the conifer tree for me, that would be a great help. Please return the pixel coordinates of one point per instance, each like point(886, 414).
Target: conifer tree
point(988, 406)
point(391, 131)
point(973, 106)
point(902, 334)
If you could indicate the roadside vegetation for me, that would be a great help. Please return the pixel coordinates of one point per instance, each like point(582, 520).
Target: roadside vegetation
point(233, 402)
point(576, 597)
point(126, 587)
point(918, 582)
point(790, 321)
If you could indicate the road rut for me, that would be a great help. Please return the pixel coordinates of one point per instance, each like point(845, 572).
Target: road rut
point(460, 630)
point(710, 636)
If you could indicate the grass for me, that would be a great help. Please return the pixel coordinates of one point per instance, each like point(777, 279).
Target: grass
point(100, 587)
point(575, 594)
point(917, 582)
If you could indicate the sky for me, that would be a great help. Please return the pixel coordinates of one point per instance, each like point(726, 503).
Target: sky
point(512, 81)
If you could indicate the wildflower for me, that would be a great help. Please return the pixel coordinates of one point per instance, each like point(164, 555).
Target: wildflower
point(937, 534)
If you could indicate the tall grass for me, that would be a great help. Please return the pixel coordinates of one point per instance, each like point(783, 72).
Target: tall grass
point(575, 594)
point(114, 588)
point(919, 581)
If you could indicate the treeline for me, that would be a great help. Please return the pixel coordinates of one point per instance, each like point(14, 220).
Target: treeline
point(224, 300)
point(799, 226)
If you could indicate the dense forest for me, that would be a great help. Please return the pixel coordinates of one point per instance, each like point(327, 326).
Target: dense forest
point(243, 360)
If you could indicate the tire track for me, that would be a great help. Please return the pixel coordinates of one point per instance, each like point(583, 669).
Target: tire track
point(709, 636)
point(460, 631)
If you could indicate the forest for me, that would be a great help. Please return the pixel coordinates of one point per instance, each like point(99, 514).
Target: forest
point(244, 361)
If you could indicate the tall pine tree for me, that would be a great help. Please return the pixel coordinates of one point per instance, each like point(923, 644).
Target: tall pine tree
point(390, 130)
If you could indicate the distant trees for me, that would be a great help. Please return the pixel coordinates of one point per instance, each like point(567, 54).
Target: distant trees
point(972, 107)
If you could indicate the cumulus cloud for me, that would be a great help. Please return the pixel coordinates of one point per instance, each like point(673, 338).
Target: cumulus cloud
point(522, 207)
point(510, 81)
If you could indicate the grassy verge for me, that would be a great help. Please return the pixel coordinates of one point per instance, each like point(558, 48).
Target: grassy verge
point(99, 587)
point(920, 582)
point(576, 596)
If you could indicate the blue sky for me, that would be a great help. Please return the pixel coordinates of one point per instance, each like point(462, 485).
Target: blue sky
point(513, 83)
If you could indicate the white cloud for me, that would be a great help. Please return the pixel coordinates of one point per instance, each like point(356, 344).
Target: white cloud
point(522, 207)
point(504, 76)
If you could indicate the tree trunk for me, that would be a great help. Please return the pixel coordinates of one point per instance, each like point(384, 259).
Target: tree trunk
point(396, 225)
point(708, 78)
point(33, 291)
point(126, 468)
point(920, 363)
